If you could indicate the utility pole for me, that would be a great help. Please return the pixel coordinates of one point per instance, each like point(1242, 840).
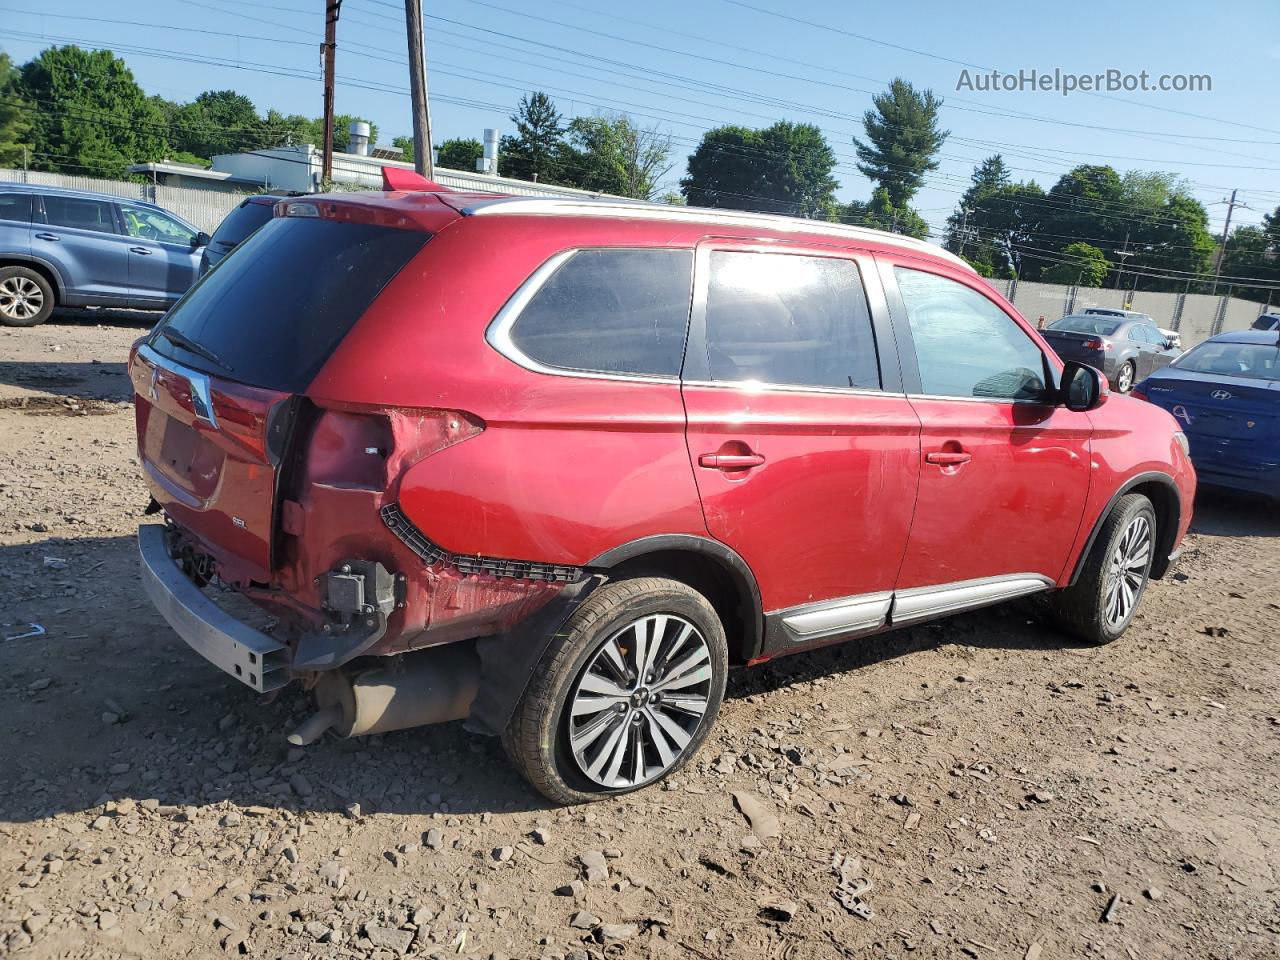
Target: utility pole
point(1222, 245)
point(1122, 254)
point(964, 231)
point(423, 161)
point(331, 10)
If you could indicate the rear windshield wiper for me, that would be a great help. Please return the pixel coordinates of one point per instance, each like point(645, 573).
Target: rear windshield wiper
point(180, 339)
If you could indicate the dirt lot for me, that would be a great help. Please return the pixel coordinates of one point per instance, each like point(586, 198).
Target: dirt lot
point(1008, 794)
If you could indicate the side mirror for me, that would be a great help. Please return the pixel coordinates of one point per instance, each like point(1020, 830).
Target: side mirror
point(201, 239)
point(1083, 387)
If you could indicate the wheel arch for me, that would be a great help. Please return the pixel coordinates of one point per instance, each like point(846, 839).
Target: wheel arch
point(42, 267)
point(708, 566)
point(1163, 493)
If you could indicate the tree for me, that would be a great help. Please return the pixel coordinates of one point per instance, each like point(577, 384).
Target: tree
point(1084, 265)
point(536, 152)
point(91, 117)
point(989, 177)
point(785, 168)
point(902, 140)
point(457, 153)
point(15, 115)
point(881, 214)
point(613, 155)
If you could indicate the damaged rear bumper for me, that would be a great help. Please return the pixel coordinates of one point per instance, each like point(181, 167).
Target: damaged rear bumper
point(234, 647)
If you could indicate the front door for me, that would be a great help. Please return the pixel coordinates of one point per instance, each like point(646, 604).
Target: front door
point(163, 262)
point(1004, 474)
point(804, 448)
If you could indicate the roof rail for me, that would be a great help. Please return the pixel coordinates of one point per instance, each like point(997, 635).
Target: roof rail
point(640, 210)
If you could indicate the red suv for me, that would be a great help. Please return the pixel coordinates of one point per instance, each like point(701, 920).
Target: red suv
point(554, 466)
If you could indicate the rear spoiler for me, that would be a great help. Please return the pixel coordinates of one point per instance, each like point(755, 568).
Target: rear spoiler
point(394, 178)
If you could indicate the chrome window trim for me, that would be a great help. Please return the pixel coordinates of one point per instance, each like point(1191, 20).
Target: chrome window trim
point(638, 210)
point(1001, 400)
point(201, 400)
point(498, 333)
point(923, 603)
point(762, 386)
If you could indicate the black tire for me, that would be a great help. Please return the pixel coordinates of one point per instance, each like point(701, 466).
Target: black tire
point(537, 738)
point(26, 297)
point(1132, 371)
point(1085, 608)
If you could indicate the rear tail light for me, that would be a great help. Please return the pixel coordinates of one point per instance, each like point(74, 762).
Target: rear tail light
point(1097, 343)
point(370, 448)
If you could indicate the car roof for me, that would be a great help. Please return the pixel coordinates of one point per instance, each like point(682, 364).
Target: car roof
point(9, 187)
point(1247, 336)
point(491, 205)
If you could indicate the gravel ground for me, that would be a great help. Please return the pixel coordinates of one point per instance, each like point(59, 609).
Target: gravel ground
point(981, 787)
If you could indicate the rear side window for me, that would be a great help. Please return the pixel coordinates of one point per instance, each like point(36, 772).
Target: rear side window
point(967, 346)
point(241, 222)
point(276, 308)
point(15, 206)
point(79, 212)
point(611, 311)
point(789, 320)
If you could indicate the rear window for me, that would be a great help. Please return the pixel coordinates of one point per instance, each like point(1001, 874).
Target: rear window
point(611, 311)
point(276, 308)
point(15, 206)
point(1259, 361)
point(1094, 325)
point(241, 222)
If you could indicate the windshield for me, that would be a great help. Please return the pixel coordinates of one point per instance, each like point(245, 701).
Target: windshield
point(276, 308)
point(1258, 361)
point(1095, 325)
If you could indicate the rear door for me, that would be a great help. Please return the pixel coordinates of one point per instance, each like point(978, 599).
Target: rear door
point(1003, 474)
point(163, 262)
point(15, 223)
point(216, 383)
point(805, 449)
point(81, 237)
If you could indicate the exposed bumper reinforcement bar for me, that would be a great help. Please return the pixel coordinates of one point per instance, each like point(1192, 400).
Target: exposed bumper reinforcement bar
point(247, 654)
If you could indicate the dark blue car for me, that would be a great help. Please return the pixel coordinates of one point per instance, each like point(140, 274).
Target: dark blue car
point(1226, 394)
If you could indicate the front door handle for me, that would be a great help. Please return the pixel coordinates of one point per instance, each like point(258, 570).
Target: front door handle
point(47, 236)
point(948, 458)
point(730, 461)
point(141, 250)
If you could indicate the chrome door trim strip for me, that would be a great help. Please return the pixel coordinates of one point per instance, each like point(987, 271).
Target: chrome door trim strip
point(831, 617)
point(922, 603)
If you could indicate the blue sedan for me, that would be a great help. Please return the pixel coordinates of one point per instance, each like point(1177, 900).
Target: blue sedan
point(1226, 394)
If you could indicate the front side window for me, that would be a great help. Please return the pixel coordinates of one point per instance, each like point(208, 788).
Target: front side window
point(967, 346)
point(789, 320)
point(80, 213)
point(16, 207)
point(153, 225)
point(621, 311)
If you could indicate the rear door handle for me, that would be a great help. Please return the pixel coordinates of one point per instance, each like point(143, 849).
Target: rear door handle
point(730, 461)
point(48, 236)
point(947, 458)
point(141, 250)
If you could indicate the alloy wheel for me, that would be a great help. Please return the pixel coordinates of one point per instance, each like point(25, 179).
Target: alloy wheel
point(637, 704)
point(1127, 571)
point(20, 298)
point(1124, 381)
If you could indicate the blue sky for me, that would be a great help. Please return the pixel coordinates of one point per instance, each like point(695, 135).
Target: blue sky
point(659, 63)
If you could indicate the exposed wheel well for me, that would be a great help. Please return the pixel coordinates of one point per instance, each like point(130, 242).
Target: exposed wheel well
point(732, 598)
point(40, 268)
point(1168, 511)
